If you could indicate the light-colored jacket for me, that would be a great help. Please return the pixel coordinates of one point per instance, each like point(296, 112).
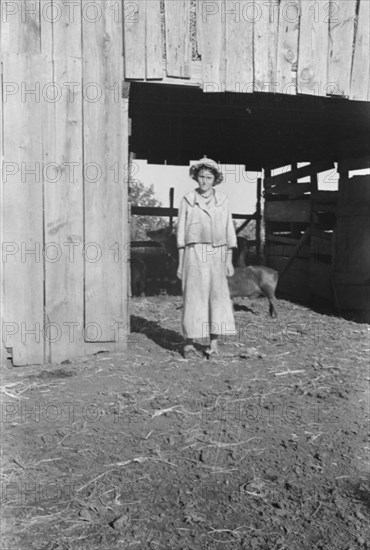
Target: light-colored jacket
point(198, 224)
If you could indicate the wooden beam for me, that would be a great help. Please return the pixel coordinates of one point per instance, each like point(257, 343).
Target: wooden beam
point(304, 171)
point(168, 212)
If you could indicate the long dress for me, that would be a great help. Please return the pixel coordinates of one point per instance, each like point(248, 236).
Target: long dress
point(207, 304)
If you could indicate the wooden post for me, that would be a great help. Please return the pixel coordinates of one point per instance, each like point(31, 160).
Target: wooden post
point(172, 192)
point(267, 174)
point(258, 220)
point(131, 157)
point(294, 231)
point(314, 189)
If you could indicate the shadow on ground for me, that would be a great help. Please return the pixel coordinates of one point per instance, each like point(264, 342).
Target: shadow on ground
point(167, 339)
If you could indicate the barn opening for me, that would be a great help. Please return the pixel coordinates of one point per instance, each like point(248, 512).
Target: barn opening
point(309, 136)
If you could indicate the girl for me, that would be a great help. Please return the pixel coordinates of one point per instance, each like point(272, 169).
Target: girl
point(205, 239)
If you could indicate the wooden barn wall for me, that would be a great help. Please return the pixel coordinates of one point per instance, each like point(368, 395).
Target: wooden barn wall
point(284, 46)
point(352, 258)
point(65, 152)
point(319, 241)
point(299, 231)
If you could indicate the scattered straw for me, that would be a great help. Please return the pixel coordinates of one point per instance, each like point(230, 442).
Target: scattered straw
point(289, 372)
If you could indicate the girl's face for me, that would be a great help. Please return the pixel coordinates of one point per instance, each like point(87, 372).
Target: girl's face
point(205, 180)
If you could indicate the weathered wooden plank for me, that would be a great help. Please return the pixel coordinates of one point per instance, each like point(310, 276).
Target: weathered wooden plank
point(134, 38)
point(288, 211)
point(178, 46)
point(266, 21)
point(341, 32)
point(63, 192)
point(3, 352)
point(303, 172)
point(360, 80)
point(22, 212)
point(153, 40)
point(105, 155)
point(293, 190)
point(213, 46)
point(313, 48)
point(199, 25)
point(20, 26)
point(66, 27)
point(239, 47)
point(287, 49)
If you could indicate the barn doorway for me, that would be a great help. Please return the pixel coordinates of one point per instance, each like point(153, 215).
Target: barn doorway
point(262, 132)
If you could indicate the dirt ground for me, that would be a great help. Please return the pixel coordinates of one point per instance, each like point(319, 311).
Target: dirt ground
point(263, 448)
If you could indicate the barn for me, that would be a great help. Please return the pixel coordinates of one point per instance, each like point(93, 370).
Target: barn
point(88, 86)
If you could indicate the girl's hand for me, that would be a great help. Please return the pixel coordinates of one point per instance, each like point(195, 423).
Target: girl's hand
point(181, 259)
point(229, 264)
point(229, 269)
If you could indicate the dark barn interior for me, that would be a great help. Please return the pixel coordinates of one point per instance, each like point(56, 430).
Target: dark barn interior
point(261, 130)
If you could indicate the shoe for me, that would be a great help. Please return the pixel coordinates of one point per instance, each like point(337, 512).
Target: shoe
point(212, 353)
point(190, 352)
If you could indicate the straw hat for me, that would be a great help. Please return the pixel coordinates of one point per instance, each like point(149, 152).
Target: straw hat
point(208, 164)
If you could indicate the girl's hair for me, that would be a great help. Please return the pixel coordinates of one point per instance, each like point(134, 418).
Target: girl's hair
point(205, 167)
